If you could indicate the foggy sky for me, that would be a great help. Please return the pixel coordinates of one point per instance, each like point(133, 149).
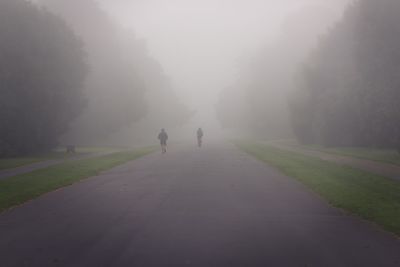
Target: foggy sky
point(202, 43)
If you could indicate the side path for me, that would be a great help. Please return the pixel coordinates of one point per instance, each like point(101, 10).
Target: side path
point(47, 163)
point(211, 207)
point(379, 168)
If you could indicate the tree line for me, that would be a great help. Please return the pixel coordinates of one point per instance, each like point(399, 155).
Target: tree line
point(348, 90)
point(42, 73)
point(67, 70)
point(256, 105)
point(339, 89)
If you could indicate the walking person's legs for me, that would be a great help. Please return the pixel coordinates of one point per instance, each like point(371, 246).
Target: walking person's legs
point(164, 148)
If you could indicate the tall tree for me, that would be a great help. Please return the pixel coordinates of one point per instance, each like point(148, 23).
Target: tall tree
point(114, 90)
point(349, 90)
point(42, 71)
point(258, 100)
point(122, 77)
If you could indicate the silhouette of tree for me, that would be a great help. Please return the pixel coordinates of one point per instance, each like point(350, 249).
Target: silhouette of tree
point(348, 91)
point(42, 71)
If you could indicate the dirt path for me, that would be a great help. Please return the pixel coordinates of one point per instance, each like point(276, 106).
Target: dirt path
point(210, 207)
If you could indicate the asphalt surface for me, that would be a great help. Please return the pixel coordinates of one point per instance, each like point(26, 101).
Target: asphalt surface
point(207, 207)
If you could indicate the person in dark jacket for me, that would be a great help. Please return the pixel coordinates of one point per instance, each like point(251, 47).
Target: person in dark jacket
point(163, 137)
point(200, 137)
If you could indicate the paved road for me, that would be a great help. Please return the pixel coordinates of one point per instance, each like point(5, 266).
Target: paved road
point(211, 207)
point(380, 168)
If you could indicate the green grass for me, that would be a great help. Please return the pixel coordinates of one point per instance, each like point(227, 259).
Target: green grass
point(19, 189)
point(86, 150)
point(10, 163)
point(367, 195)
point(59, 153)
point(382, 155)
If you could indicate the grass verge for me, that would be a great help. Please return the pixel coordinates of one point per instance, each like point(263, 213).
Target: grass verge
point(391, 156)
point(367, 195)
point(58, 153)
point(21, 188)
point(381, 155)
point(11, 163)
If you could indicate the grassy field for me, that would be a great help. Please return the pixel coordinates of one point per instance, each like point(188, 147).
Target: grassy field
point(374, 154)
point(88, 149)
point(10, 163)
point(59, 153)
point(382, 155)
point(367, 195)
point(19, 189)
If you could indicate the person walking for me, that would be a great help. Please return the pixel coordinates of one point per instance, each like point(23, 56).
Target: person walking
point(163, 137)
point(200, 135)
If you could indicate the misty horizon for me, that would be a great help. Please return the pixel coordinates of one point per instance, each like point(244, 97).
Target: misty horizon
point(204, 45)
point(199, 133)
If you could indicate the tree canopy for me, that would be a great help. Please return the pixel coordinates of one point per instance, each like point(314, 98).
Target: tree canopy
point(42, 73)
point(125, 84)
point(349, 88)
point(256, 104)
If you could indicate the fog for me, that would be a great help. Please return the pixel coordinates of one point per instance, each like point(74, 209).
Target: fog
point(198, 50)
point(204, 45)
point(199, 133)
point(121, 70)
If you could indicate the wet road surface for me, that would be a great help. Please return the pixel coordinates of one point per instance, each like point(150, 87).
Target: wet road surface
point(214, 206)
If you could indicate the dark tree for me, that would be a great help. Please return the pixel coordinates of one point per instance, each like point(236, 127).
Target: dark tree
point(257, 104)
point(127, 89)
point(349, 89)
point(42, 71)
point(114, 89)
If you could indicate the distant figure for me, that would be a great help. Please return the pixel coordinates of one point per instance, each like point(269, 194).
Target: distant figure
point(163, 137)
point(200, 137)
